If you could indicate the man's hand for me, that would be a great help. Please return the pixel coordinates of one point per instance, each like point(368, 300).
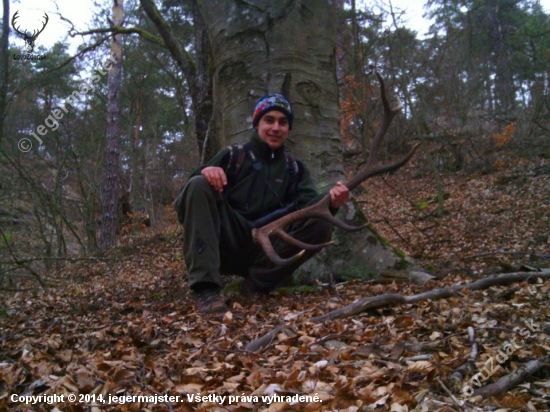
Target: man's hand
point(339, 195)
point(215, 176)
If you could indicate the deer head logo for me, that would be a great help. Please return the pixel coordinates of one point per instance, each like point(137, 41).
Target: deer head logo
point(29, 38)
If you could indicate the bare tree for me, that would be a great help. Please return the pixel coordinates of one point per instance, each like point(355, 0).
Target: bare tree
point(4, 44)
point(111, 181)
point(196, 72)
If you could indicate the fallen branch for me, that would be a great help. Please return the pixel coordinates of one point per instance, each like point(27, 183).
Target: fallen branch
point(512, 252)
point(511, 380)
point(377, 301)
point(457, 376)
point(448, 391)
point(264, 341)
point(394, 299)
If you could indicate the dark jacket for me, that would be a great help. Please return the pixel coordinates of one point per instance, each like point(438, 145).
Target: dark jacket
point(255, 193)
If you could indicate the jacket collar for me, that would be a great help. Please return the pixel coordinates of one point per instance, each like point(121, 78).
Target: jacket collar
point(263, 150)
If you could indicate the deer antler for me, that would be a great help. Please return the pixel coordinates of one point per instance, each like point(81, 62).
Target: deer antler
point(321, 209)
point(15, 16)
point(29, 39)
point(37, 32)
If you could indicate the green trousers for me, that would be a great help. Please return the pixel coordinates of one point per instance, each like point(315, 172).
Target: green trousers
point(218, 241)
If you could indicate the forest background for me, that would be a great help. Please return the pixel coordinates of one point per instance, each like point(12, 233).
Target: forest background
point(94, 197)
point(474, 86)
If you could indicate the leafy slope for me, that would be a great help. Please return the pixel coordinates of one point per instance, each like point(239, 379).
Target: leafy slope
point(124, 324)
point(508, 211)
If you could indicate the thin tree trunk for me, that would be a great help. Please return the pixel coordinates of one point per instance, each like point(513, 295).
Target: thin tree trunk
point(4, 45)
point(202, 99)
point(504, 83)
point(111, 184)
point(135, 179)
point(197, 73)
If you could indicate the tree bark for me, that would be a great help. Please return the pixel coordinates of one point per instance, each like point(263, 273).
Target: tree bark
point(111, 182)
point(278, 46)
point(208, 145)
point(4, 67)
point(504, 82)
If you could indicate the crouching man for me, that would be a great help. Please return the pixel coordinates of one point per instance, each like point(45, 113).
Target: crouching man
point(241, 188)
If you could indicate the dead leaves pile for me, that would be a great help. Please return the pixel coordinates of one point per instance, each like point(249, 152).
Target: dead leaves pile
point(507, 211)
point(125, 325)
point(136, 344)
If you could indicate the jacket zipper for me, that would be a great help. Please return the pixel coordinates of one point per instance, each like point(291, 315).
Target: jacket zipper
point(268, 176)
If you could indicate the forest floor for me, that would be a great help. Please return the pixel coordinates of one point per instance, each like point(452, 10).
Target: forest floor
point(123, 324)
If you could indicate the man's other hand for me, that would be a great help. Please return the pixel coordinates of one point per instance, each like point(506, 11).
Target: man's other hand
point(339, 195)
point(215, 176)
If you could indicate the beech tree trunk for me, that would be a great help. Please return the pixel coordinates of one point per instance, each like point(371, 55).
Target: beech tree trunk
point(278, 46)
point(111, 183)
point(288, 46)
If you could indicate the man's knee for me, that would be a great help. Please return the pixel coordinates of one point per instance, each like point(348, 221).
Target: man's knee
point(195, 187)
point(319, 231)
point(313, 231)
point(325, 230)
point(197, 183)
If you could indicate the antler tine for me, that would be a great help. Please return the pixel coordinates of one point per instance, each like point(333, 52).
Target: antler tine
point(45, 22)
point(37, 32)
point(15, 17)
point(269, 250)
point(318, 210)
point(262, 236)
point(321, 209)
point(298, 243)
point(389, 114)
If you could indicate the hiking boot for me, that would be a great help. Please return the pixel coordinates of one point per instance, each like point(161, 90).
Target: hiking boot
point(210, 301)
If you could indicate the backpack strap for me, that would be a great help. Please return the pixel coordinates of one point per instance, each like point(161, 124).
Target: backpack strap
point(256, 164)
point(291, 166)
point(294, 172)
point(236, 160)
point(237, 156)
point(238, 152)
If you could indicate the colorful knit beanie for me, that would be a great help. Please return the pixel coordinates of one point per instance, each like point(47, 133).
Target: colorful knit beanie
point(273, 101)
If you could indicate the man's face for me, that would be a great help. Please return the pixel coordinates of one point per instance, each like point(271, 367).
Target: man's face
point(273, 128)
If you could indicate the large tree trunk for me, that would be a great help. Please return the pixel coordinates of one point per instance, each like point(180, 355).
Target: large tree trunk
point(287, 46)
point(111, 182)
point(278, 46)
